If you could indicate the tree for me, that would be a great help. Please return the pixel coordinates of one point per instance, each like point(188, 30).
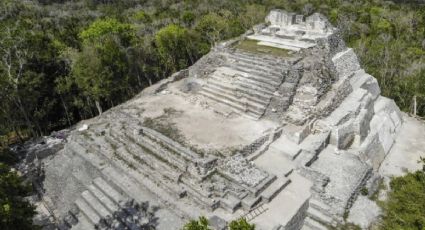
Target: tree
point(92, 77)
point(212, 27)
point(100, 29)
point(201, 224)
point(177, 46)
point(241, 224)
point(14, 56)
point(15, 211)
point(253, 14)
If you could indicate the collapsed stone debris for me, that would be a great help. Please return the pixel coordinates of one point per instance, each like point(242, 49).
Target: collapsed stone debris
point(281, 126)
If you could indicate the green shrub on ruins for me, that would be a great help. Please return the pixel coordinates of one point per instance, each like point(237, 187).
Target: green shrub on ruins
point(202, 224)
point(405, 207)
point(15, 211)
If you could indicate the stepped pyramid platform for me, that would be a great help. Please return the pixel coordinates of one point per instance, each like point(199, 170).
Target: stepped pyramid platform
point(281, 126)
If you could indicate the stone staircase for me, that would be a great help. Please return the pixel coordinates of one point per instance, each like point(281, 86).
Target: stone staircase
point(99, 201)
point(179, 173)
point(246, 83)
point(318, 216)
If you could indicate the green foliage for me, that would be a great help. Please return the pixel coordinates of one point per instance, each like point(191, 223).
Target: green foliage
point(241, 224)
point(188, 17)
point(172, 43)
point(142, 16)
point(201, 224)
point(15, 212)
point(212, 27)
point(93, 78)
point(405, 207)
point(109, 26)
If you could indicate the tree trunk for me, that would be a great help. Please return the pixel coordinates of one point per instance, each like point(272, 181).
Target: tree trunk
point(66, 110)
point(414, 105)
point(99, 108)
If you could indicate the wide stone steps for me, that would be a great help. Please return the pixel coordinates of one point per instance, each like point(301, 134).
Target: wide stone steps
point(260, 78)
point(267, 92)
point(112, 194)
point(95, 204)
point(124, 164)
point(310, 224)
point(320, 206)
point(172, 186)
point(272, 64)
point(255, 83)
point(87, 211)
point(274, 188)
point(257, 69)
point(147, 162)
point(237, 108)
point(124, 179)
point(83, 224)
point(229, 95)
point(250, 92)
point(169, 144)
point(236, 73)
point(104, 199)
point(318, 215)
point(257, 57)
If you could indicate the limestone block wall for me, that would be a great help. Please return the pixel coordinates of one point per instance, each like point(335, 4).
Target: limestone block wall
point(346, 63)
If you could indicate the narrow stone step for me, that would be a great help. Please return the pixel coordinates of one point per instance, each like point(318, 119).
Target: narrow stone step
point(275, 188)
point(310, 224)
point(87, 211)
point(109, 191)
point(101, 210)
point(103, 198)
point(318, 216)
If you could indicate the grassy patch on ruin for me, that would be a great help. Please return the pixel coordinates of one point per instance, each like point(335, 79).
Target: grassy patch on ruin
point(405, 207)
point(252, 47)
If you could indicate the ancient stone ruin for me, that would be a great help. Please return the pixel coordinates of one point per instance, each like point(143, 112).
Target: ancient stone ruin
point(280, 126)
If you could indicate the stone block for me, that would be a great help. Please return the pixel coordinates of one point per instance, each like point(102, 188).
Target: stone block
point(346, 63)
point(275, 188)
point(230, 203)
point(250, 201)
point(343, 136)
